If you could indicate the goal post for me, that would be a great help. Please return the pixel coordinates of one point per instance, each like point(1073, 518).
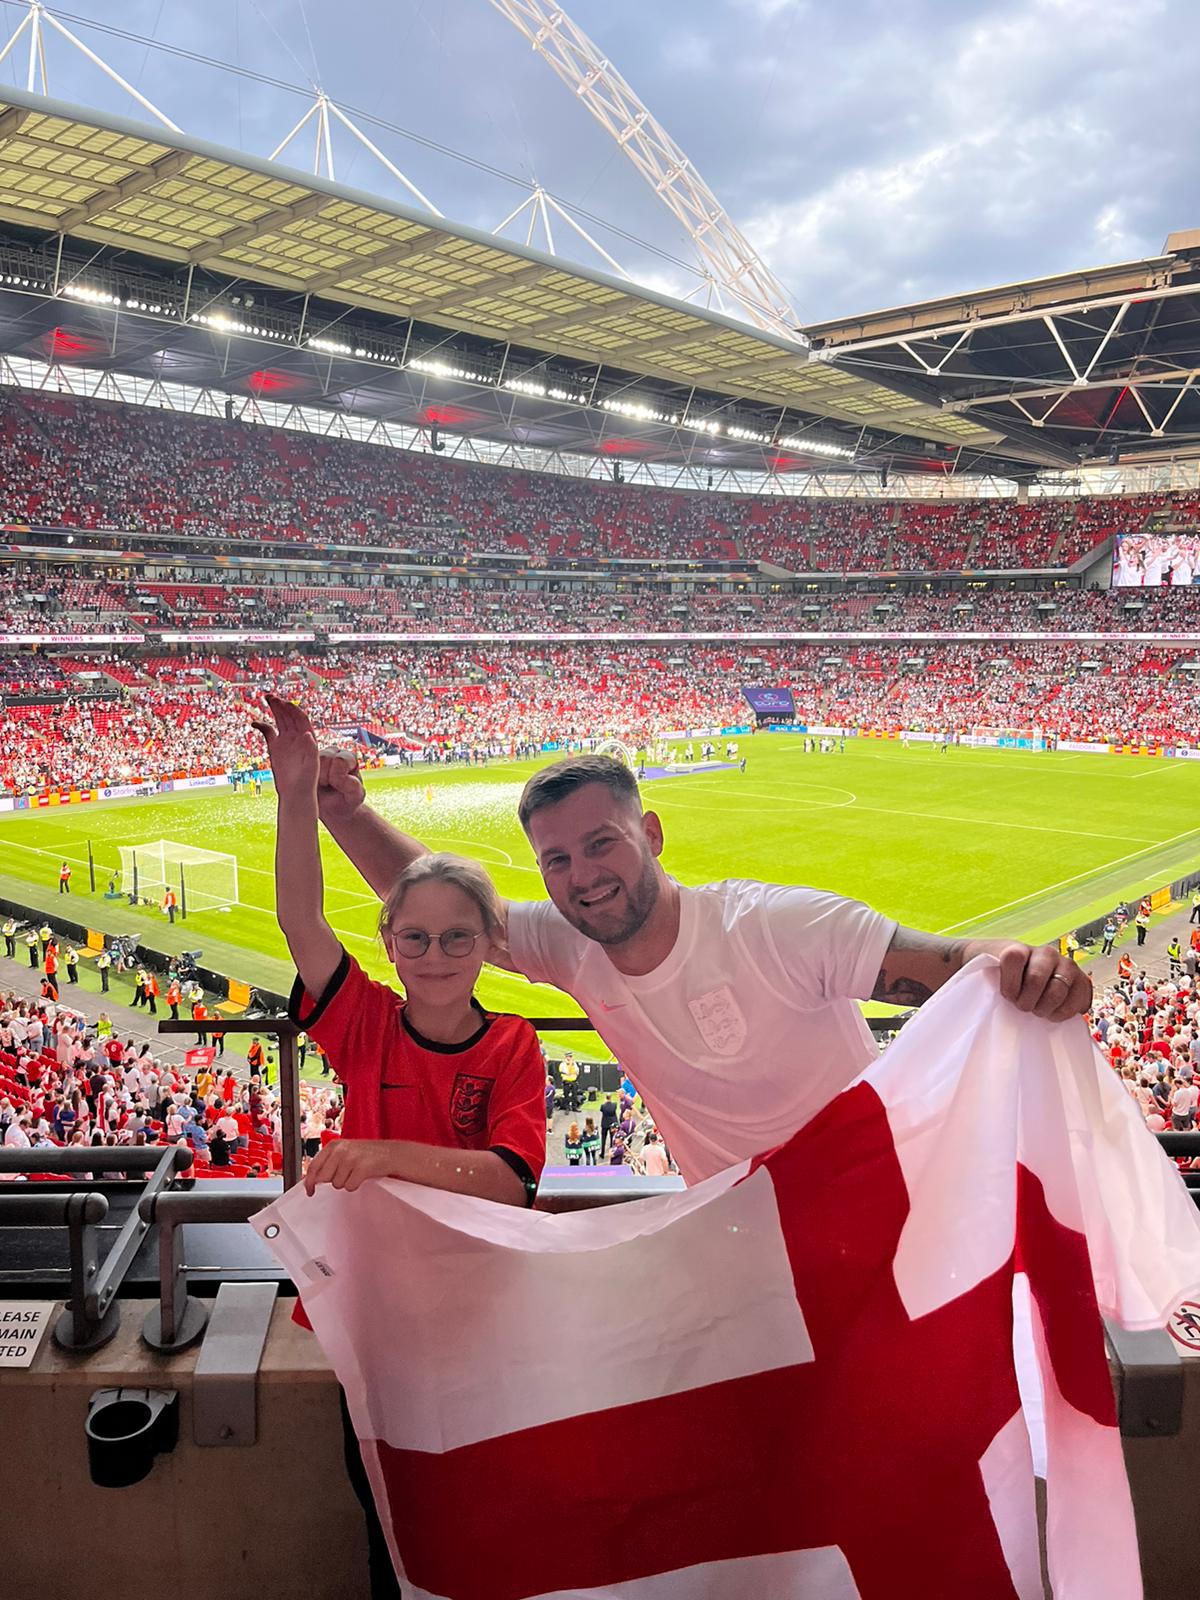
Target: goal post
point(209, 876)
point(995, 737)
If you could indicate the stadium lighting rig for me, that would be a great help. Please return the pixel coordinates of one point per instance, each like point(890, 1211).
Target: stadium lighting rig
point(225, 317)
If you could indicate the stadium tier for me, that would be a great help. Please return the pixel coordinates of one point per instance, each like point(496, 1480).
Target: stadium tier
point(502, 698)
point(79, 464)
point(600, 604)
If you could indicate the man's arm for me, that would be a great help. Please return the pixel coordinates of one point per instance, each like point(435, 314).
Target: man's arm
point(378, 850)
point(1035, 978)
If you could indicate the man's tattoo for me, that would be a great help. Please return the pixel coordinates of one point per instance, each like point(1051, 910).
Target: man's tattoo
point(900, 991)
point(899, 984)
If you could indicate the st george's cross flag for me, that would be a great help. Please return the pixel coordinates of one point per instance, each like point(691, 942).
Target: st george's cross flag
point(795, 1381)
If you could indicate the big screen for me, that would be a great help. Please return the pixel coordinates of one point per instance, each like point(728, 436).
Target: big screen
point(1150, 560)
point(774, 702)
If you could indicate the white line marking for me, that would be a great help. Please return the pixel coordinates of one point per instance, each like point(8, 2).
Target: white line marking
point(783, 802)
point(1158, 771)
point(477, 844)
point(1089, 872)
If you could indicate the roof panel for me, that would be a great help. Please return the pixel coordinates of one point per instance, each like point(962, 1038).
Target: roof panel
point(353, 249)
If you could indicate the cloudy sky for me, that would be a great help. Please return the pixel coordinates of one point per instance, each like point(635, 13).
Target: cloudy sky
point(874, 151)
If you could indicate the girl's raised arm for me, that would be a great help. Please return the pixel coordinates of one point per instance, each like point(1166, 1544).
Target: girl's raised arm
point(299, 883)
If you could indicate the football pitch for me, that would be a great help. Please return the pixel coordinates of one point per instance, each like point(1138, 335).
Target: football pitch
point(971, 842)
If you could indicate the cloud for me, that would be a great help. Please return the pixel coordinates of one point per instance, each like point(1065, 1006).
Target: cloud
point(1030, 152)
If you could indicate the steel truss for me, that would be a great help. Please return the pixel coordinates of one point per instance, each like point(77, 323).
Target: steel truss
point(23, 372)
point(731, 276)
point(731, 261)
point(952, 351)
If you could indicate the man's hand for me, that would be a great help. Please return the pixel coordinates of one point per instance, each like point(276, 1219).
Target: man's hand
point(291, 749)
point(340, 790)
point(347, 1163)
point(1038, 978)
point(1034, 978)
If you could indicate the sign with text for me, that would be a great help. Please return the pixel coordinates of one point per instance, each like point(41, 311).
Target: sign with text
point(769, 702)
point(22, 1324)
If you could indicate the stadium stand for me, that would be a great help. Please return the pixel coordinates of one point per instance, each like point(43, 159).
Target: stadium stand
point(63, 1084)
point(192, 720)
point(83, 464)
point(194, 489)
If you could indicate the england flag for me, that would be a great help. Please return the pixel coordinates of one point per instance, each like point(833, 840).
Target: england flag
point(797, 1380)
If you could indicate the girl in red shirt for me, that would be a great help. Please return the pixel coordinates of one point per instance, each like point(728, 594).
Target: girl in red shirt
point(426, 1077)
point(431, 1074)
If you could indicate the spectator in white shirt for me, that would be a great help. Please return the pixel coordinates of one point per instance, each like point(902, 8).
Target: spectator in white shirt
point(1184, 1099)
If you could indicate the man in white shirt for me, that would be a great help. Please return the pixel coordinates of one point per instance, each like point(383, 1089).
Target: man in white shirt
point(732, 1005)
point(1184, 1099)
point(653, 1159)
point(17, 1135)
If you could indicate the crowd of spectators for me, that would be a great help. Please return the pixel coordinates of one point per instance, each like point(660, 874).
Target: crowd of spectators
point(1148, 1027)
point(187, 716)
point(410, 605)
point(72, 463)
point(65, 1081)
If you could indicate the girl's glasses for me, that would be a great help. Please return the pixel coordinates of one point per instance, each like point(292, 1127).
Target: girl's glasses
point(412, 943)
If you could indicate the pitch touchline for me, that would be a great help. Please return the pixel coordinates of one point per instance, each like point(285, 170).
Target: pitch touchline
point(1088, 872)
point(1157, 772)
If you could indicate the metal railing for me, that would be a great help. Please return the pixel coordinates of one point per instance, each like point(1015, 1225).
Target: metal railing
point(284, 1030)
point(93, 1313)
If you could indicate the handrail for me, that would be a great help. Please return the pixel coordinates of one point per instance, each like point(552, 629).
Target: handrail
point(93, 1315)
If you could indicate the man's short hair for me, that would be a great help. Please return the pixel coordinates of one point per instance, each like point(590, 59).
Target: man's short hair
point(563, 778)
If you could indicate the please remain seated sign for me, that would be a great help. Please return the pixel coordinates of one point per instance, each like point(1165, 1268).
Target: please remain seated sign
point(22, 1324)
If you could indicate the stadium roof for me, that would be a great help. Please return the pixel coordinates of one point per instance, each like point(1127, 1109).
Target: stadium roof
point(1102, 364)
point(339, 278)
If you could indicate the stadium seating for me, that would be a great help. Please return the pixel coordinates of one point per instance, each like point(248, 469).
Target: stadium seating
point(72, 463)
point(193, 720)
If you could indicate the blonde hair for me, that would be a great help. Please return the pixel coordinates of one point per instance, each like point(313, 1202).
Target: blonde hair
point(459, 873)
point(573, 1131)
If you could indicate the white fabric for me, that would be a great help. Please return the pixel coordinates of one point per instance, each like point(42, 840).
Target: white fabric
point(747, 1028)
point(1049, 1099)
point(797, 1575)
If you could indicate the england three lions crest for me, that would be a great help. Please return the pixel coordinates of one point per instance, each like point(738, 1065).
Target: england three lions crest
point(720, 1021)
point(469, 1104)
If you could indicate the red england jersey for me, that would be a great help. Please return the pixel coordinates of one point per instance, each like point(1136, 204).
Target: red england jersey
point(484, 1094)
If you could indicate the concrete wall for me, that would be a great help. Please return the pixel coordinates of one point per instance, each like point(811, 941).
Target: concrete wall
point(278, 1520)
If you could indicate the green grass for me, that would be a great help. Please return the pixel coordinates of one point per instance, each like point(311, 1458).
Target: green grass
point(980, 842)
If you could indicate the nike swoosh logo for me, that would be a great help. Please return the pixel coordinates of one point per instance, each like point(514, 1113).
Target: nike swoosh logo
point(604, 1006)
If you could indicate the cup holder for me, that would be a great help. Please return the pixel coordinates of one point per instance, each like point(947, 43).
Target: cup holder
point(126, 1429)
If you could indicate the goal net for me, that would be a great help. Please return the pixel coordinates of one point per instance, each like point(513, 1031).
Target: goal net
point(998, 738)
point(203, 880)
